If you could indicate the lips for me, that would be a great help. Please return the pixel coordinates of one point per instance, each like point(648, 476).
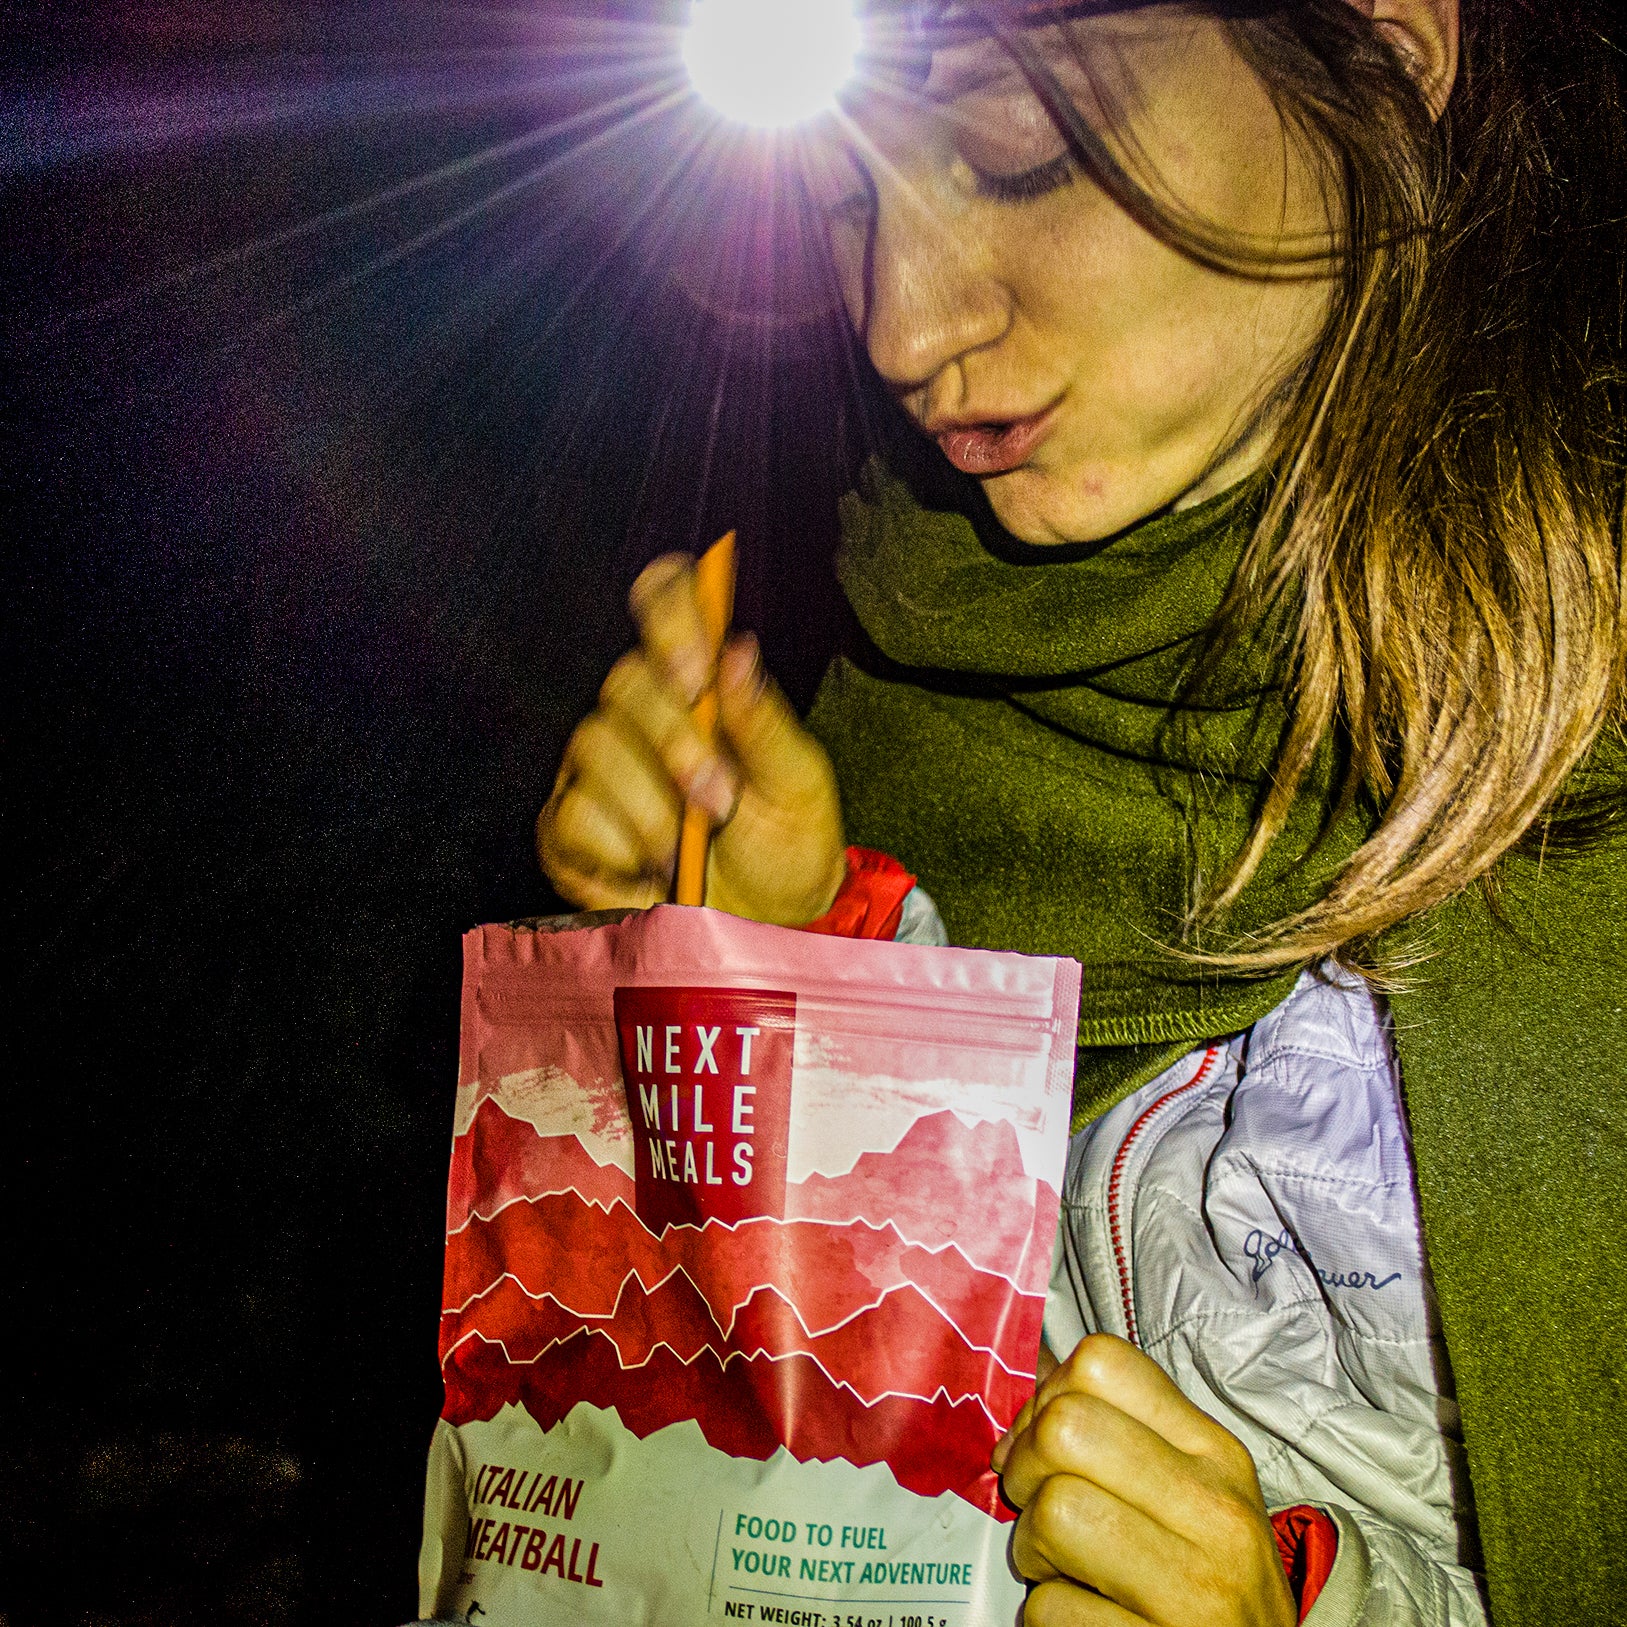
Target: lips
point(996, 447)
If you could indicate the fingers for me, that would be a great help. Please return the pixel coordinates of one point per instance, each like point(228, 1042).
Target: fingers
point(1111, 1414)
point(781, 760)
point(670, 629)
point(783, 763)
point(615, 771)
point(1064, 1604)
point(609, 833)
point(1078, 1434)
point(1074, 1531)
point(1117, 1372)
point(614, 817)
point(1129, 1488)
point(1044, 1365)
point(649, 711)
point(589, 852)
point(610, 829)
point(584, 855)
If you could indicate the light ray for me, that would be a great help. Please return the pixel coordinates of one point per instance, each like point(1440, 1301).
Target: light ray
point(460, 217)
point(628, 194)
point(243, 254)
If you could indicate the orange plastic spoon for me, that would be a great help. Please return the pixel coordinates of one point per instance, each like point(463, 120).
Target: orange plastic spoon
point(714, 590)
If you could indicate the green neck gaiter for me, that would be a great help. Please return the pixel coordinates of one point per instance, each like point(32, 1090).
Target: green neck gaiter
point(1038, 737)
point(1022, 729)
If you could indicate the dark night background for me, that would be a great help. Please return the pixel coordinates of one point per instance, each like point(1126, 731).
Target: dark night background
point(317, 543)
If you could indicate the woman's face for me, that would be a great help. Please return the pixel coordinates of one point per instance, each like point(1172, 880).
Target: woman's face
point(1087, 373)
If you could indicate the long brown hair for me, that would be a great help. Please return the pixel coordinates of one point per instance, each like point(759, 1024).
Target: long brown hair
point(1443, 546)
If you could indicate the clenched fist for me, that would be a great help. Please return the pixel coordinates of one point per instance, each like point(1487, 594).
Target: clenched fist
point(1138, 1509)
point(608, 836)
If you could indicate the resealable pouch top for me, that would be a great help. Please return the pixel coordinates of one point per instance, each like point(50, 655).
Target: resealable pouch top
point(748, 1235)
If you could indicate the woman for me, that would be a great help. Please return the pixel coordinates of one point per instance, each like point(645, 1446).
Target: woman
point(1269, 635)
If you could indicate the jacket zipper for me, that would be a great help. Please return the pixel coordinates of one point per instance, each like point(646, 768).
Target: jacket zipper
point(1116, 1226)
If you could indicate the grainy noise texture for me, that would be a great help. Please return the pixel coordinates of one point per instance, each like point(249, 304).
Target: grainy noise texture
point(317, 538)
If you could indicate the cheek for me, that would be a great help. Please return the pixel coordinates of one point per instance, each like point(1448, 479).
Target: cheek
point(1082, 272)
point(1163, 358)
point(1122, 305)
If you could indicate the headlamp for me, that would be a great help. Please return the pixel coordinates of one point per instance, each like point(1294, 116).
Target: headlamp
point(771, 63)
point(776, 63)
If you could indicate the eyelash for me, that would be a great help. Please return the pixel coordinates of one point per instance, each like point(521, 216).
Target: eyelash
point(1022, 187)
point(1029, 183)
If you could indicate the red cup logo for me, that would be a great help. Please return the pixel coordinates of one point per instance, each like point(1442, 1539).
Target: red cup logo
point(708, 1080)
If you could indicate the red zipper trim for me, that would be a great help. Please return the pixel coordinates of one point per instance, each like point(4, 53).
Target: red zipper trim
point(1115, 1181)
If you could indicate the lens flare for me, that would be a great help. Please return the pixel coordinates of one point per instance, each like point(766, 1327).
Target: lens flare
point(771, 63)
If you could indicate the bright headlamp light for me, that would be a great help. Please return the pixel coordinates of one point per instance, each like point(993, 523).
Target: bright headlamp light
point(776, 63)
point(771, 63)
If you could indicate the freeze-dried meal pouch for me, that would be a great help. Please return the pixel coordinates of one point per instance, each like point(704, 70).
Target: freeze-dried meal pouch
point(748, 1234)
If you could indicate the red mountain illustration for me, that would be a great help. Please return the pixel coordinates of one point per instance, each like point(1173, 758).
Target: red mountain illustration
point(498, 1159)
point(921, 1187)
point(901, 1346)
point(947, 1182)
point(580, 1255)
point(745, 1406)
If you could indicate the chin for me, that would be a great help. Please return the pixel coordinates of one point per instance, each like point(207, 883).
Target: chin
point(1040, 509)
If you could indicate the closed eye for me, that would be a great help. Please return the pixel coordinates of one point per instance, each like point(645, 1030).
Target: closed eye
point(1023, 185)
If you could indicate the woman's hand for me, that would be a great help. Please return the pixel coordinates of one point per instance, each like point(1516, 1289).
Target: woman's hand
point(1137, 1507)
point(608, 836)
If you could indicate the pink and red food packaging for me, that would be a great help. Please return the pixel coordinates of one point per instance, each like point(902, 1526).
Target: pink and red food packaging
point(747, 1241)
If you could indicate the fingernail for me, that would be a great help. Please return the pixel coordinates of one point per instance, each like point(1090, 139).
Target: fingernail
point(689, 671)
point(742, 666)
point(656, 575)
point(714, 790)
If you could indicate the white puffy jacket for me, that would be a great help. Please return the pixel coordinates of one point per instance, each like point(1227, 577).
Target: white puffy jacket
point(1250, 1219)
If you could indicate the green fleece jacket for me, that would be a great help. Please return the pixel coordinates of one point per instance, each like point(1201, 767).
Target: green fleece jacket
point(1034, 735)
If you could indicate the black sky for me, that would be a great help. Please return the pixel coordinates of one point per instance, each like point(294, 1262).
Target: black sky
point(311, 568)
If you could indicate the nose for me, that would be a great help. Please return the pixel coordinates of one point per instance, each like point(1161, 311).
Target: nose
point(931, 297)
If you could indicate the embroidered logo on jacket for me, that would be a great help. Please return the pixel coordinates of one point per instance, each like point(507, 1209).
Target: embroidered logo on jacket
point(1262, 1248)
